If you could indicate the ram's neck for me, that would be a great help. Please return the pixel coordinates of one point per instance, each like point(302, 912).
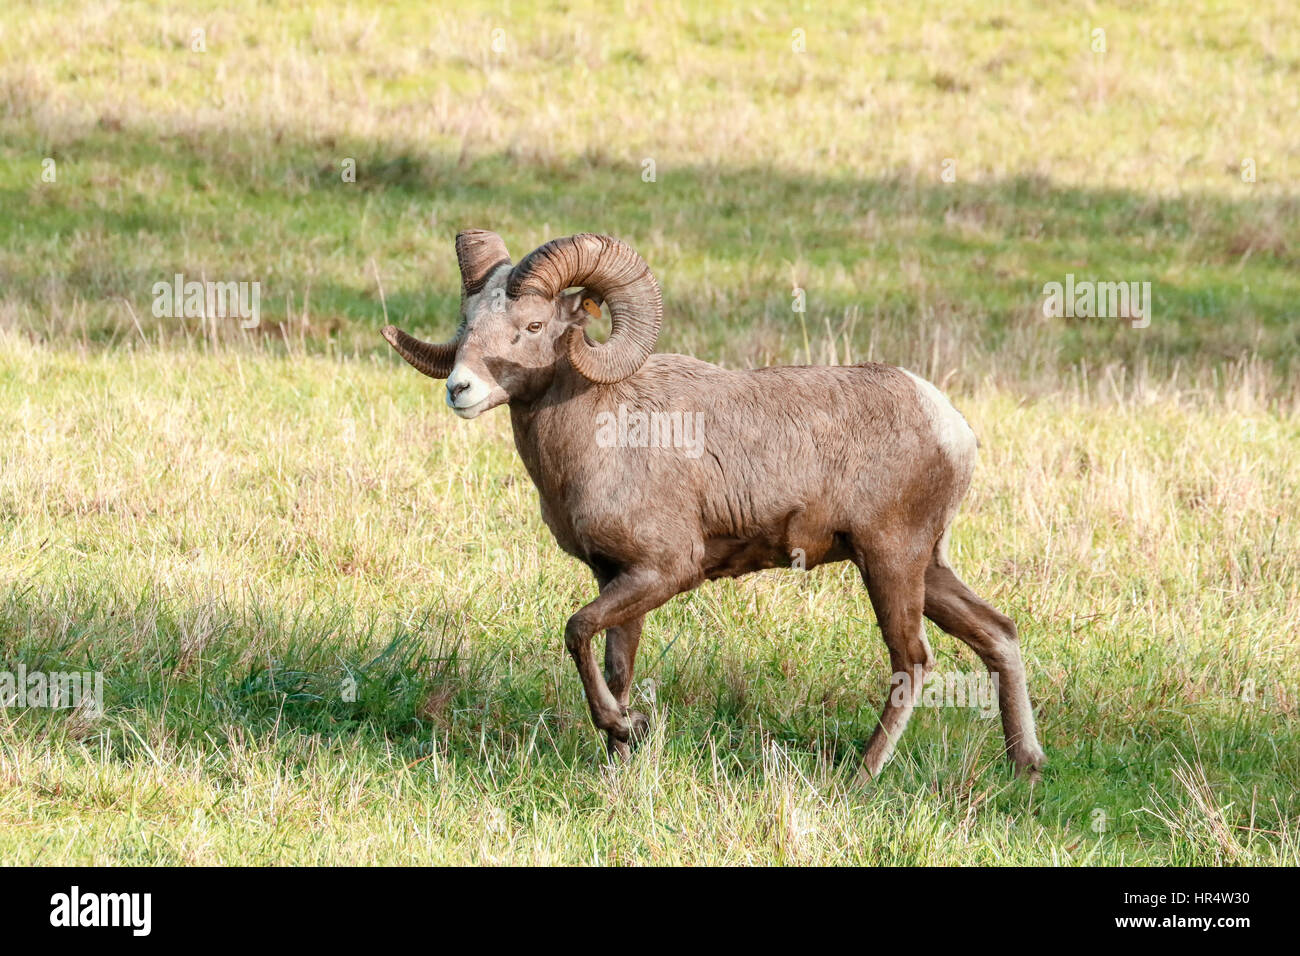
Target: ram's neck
point(553, 427)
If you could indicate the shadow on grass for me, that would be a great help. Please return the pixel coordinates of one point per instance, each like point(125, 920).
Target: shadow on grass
point(199, 678)
point(203, 667)
point(888, 262)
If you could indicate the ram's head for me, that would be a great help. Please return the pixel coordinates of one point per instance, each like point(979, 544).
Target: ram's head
point(519, 324)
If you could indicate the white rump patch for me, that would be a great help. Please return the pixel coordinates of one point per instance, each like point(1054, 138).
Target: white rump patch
point(954, 436)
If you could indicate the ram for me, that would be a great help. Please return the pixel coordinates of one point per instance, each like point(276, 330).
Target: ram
point(795, 466)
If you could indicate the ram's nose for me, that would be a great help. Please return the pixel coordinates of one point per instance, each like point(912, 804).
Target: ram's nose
point(455, 389)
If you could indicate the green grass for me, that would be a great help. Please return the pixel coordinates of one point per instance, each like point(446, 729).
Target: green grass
point(773, 168)
point(229, 538)
point(231, 526)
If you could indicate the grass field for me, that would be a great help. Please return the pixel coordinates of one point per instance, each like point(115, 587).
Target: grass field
point(237, 527)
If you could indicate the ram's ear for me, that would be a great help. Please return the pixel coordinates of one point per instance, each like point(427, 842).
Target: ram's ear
point(581, 306)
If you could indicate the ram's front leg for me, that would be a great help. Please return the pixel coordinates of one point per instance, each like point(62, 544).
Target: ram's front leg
point(628, 596)
point(620, 662)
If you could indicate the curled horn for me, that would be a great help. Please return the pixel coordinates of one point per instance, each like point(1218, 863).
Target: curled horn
point(434, 360)
point(614, 270)
point(479, 253)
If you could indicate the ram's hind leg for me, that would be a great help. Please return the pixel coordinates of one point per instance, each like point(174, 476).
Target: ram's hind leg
point(896, 585)
point(992, 635)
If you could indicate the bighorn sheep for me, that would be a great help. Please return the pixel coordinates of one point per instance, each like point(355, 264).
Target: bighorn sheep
point(865, 463)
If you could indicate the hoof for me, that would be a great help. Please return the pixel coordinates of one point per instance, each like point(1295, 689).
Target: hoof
point(1029, 773)
point(619, 751)
point(640, 727)
point(621, 745)
point(1029, 765)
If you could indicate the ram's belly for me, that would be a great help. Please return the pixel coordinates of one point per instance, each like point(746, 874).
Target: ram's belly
point(727, 557)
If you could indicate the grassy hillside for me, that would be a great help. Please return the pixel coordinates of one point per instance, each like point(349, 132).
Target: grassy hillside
point(821, 169)
point(236, 526)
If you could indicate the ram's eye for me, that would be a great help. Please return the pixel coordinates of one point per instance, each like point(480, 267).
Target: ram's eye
point(534, 326)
